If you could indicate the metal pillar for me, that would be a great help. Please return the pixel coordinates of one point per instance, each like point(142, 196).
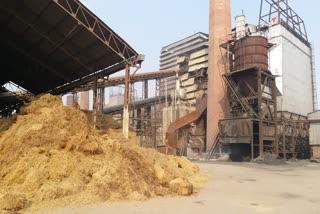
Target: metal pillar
point(275, 117)
point(139, 118)
point(125, 120)
point(132, 102)
point(100, 100)
point(94, 108)
point(84, 100)
point(261, 134)
point(145, 89)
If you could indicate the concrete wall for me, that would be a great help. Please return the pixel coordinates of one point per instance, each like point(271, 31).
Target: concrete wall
point(290, 60)
point(115, 100)
point(314, 130)
point(69, 101)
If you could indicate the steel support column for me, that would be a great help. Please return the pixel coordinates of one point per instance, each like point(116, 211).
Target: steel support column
point(275, 117)
point(94, 108)
point(261, 134)
point(125, 120)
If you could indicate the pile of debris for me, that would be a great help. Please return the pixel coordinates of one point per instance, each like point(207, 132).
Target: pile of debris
point(51, 157)
point(269, 159)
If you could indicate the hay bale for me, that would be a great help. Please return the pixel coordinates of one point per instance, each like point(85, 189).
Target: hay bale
point(181, 186)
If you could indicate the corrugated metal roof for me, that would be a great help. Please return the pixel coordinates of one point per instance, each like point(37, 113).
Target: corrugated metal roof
point(48, 43)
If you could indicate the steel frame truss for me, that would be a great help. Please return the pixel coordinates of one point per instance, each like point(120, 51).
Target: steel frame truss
point(92, 23)
point(281, 10)
point(293, 135)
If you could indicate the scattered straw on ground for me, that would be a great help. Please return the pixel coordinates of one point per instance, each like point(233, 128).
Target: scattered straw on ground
point(51, 157)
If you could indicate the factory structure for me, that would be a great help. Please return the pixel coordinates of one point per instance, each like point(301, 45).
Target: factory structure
point(244, 92)
point(81, 123)
point(268, 96)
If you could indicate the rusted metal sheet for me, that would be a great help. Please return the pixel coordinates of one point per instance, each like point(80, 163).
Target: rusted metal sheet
point(236, 131)
point(183, 121)
point(293, 135)
point(251, 52)
point(269, 131)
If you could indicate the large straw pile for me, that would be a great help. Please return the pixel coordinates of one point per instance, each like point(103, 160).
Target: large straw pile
point(5, 123)
point(51, 157)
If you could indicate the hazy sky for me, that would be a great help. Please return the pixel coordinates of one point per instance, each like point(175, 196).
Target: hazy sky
point(148, 25)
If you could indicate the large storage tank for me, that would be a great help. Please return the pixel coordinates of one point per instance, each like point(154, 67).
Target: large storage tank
point(251, 52)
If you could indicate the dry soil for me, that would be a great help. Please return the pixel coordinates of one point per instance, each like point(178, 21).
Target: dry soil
point(242, 188)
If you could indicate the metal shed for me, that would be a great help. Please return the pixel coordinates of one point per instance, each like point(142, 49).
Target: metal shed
point(48, 44)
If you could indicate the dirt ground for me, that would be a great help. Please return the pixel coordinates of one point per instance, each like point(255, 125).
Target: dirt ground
point(235, 188)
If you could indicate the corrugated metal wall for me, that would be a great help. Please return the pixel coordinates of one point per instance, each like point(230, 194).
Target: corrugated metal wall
point(290, 59)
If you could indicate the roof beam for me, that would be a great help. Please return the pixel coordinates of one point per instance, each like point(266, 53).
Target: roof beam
point(100, 74)
point(115, 81)
point(100, 30)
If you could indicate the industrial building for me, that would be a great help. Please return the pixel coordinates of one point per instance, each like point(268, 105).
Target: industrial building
point(288, 92)
point(193, 48)
point(208, 95)
point(244, 119)
point(246, 93)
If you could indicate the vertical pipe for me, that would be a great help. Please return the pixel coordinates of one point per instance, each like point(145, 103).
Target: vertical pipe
point(219, 27)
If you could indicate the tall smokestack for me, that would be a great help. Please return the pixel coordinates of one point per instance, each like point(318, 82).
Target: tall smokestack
point(219, 28)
